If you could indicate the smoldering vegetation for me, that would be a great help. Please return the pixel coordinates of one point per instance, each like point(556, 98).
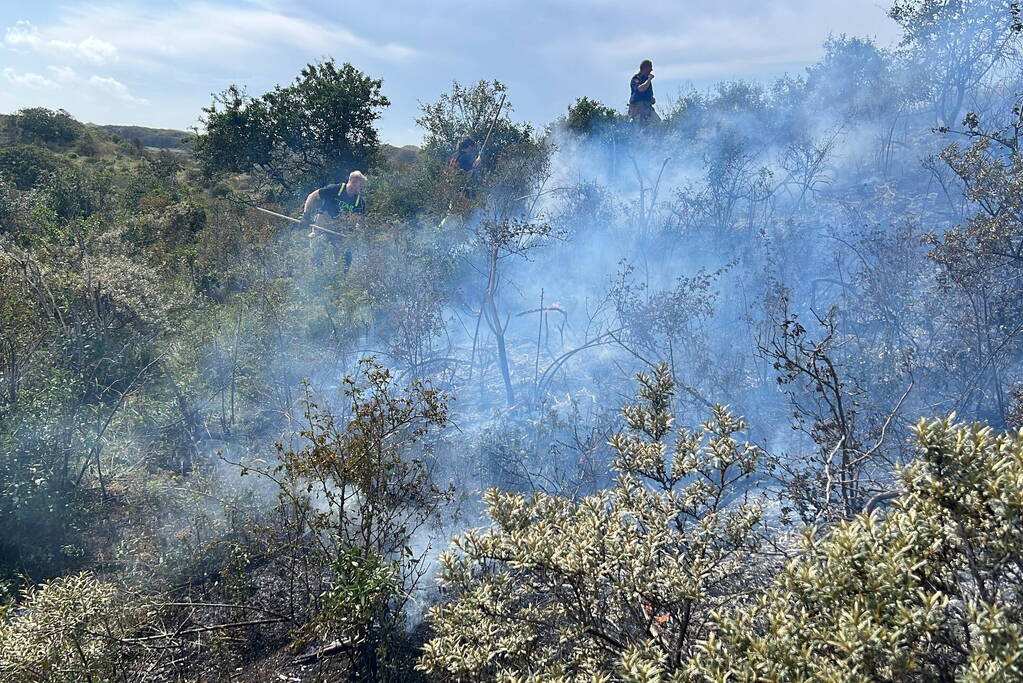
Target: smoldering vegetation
point(229, 455)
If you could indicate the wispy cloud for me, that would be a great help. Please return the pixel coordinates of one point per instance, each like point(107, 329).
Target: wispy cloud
point(62, 73)
point(113, 87)
point(24, 34)
point(195, 32)
point(91, 49)
point(27, 79)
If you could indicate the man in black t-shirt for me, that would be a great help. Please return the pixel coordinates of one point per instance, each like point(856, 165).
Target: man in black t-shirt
point(341, 201)
point(345, 206)
point(641, 99)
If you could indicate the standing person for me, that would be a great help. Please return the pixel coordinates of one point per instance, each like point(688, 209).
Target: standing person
point(463, 166)
point(345, 207)
point(641, 101)
point(466, 156)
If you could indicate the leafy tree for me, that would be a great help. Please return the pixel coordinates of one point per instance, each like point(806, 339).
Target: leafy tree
point(960, 43)
point(351, 502)
point(981, 261)
point(44, 126)
point(467, 111)
point(858, 79)
point(76, 193)
point(296, 137)
point(589, 117)
point(517, 158)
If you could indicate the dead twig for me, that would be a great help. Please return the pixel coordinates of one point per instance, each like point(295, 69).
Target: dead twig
point(207, 629)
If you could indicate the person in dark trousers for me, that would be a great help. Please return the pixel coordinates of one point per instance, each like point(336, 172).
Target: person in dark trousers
point(345, 208)
point(641, 101)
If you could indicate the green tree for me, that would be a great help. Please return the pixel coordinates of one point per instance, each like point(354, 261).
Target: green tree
point(351, 501)
point(589, 117)
point(959, 44)
point(295, 137)
point(981, 261)
point(516, 156)
point(39, 125)
point(467, 111)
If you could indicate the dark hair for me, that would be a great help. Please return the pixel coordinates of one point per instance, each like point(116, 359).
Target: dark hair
point(465, 144)
point(646, 64)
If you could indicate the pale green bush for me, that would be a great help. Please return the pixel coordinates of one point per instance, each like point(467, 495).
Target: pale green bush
point(56, 633)
point(928, 591)
point(558, 588)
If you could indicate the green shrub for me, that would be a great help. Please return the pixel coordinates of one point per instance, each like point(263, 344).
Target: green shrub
point(45, 126)
point(25, 165)
point(55, 633)
point(929, 591)
point(560, 588)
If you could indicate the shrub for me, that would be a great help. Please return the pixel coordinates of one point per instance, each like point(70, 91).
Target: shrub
point(928, 591)
point(561, 588)
point(45, 126)
point(54, 634)
point(25, 165)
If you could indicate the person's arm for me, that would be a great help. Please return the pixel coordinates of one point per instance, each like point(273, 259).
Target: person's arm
point(313, 203)
point(645, 85)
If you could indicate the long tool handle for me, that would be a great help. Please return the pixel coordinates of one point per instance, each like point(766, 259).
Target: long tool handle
point(490, 130)
point(295, 220)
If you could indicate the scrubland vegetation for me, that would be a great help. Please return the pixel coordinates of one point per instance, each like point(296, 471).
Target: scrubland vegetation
point(734, 396)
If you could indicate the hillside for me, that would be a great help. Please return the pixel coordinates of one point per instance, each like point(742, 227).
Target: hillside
point(154, 138)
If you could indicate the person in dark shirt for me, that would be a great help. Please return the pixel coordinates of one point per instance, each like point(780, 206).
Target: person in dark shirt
point(464, 178)
point(338, 201)
point(466, 157)
point(641, 100)
point(343, 204)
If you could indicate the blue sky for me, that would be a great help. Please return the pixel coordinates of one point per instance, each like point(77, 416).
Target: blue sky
point(156, 63)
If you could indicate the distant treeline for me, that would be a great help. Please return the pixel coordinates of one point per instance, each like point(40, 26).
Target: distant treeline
point(162, 138)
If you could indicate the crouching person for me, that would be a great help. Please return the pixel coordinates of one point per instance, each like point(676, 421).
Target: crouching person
point(339, 207)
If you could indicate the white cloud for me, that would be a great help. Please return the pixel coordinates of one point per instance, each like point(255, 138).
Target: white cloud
point(28, 80)
point(22, 33)
point(91, 49)
point(62, 73)
point(196, 32)
point(112, 86)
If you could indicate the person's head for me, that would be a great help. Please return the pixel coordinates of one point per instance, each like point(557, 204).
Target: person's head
point(356, 181)
point(466, 145)
point(646, 66)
